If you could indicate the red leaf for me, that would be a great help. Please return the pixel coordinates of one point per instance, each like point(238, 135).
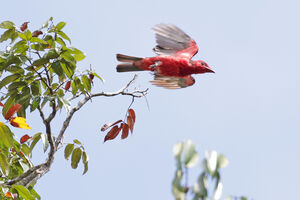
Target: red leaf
point(13, 110)
point(24, 138)
point(24, 26)
point(1, 104)
point(36, 33)
point(106, 126)
point(91, 77)
point(132, 114)
point(113, 133)
point(130, 122)
point(125, 131)
point(67, 86)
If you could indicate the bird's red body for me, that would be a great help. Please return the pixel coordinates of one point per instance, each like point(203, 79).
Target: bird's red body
point(173, 66)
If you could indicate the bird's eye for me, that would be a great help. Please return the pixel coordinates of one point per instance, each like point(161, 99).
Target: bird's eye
point(203, 64)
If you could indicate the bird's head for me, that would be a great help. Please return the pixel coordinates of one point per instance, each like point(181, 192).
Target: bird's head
point(202, 67)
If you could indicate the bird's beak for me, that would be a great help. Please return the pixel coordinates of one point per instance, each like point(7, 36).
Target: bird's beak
point(209, 70)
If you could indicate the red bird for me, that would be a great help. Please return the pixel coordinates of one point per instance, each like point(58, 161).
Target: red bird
point(172, 66)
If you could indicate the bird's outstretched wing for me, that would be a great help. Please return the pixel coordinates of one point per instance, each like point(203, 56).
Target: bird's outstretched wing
point(173, 82)
point(172, 41)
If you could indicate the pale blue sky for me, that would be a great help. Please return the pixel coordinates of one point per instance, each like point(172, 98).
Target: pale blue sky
point(248, 110)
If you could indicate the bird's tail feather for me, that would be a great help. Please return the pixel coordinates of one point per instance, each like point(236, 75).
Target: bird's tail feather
point(125, 58)
point(127, 67)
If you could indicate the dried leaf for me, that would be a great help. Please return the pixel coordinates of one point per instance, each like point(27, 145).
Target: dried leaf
point(130, 122)
point(36, 33)
point(19, 122)
point(24, 138)
point(24, 26)
point(91, 77)
point(1, 104)
point(108, 125)
point(13, 110)
point(125, 131)
point(132, 114)
point(67, 86)
point(112, 134)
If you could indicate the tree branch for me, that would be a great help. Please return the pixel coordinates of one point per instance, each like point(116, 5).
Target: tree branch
point(38, 171)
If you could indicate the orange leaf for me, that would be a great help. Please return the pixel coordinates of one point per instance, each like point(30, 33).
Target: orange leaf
point(1, 104)
point(112, 134)
point(36, 33)
point(24, 138)
point(19, 122)
point(125, 131)
point(24, 26)
point(8, 194)
point(13, 110)
point(130, 122)
point(67, 86)
point(132, 114)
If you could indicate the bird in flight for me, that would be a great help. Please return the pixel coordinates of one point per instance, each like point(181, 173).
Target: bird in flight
point(172, 66)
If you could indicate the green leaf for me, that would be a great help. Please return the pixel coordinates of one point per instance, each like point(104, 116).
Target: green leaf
point(7, 25)
point(86, 83)
point(9, 79)
point(34, 139)
point(6, 136)
point(40, 61)
point(4, 164)
point(35, 103)
point(85, 157)
point(78, 55)
point(65, 103)
point(86, 168)
point(28, 35)
point(178, 190)
point(95, 74)
point(68, 150)
point(38, 47)
point(222, 161)
point(38, 40)
point(22, 36)
point(45, 141)
point(25, 149)
point(7, 35)
point(190, 155)
point(74, 88)
point(68, 68)
point(34, 193)
point(23, 192)
point(76, 156)
point(16, 85)
point(60, 25)
point(63, 35)
point(77, 141)
point(57, 68)
point(36, 88)
point(51, 54)
point(68, 57)
point(60, 41)
point(200, 188)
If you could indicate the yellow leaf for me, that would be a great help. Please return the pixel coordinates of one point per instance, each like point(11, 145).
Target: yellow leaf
point(19, 122)
point(1, 124)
